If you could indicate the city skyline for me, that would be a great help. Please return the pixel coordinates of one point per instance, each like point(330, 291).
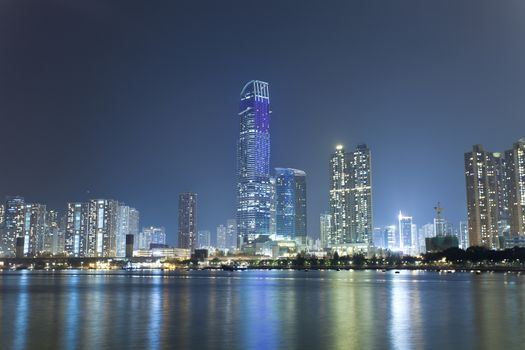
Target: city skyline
point(144, 86)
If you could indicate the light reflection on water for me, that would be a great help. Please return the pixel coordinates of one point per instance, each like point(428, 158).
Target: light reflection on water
point(261, 310)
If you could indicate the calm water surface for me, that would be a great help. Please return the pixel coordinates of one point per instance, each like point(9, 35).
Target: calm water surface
point(261, 310)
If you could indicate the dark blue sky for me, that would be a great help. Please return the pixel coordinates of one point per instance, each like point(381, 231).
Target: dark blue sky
point(138, 100)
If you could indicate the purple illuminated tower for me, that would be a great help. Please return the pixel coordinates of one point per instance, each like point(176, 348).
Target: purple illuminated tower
point(253, 160)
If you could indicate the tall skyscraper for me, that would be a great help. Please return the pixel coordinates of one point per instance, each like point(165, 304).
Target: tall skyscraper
point(53, 242)
point(91, 228)
point(290, 199)
point(76, 229)
point(188, 221)
point(102, 228)
point(361, 195)
point(13, 224)
point(405, 234)
point(127, 224)
point(485, 191)
point(253, 161)
point(34, 228)
point(515, 177)
point(351, 196)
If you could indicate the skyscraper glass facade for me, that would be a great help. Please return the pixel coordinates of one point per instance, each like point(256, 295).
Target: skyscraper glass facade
point(290, 196)
point(253, 161)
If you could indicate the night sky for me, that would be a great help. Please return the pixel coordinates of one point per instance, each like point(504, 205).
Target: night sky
point(138, 100)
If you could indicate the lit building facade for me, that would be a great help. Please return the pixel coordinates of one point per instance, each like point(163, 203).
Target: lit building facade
point(188, 221)
point(351, 196)
point(127, 224)
point(76, 229)
point(204, 239)
point(515, 178)
point(231, 234)
point(406, 235)
point(34, 228)
point(13, 227)
point(290, 199)
point(151, 235)
point(221, 237)
point(486, 196)
point(325, 220)
point(254, 189)
point(102, 228)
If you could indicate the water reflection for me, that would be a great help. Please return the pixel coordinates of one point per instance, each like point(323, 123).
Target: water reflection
point(261, 310)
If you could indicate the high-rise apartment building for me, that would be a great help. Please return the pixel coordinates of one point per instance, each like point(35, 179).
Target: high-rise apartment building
point(254, 189)
point(351, 196)
point(76, 229)
point(290, 199)
point(515, 181)
point(34, 228)
point(14, 215)
point(188, 221)
point(127, 224)
point(91, 228)
point(495, 184)
point(102, 228)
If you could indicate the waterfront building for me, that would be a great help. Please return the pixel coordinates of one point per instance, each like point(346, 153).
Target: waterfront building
point(391, 237)
point(34, 228)
point(351, 196)
point(13, 224)
point(221, 237)
point(188, 221)
point(482, 193)
point(102, 228)
point(515, 180)
point(204, 239)
point(325, 229)
point(127, 224)
point(405, 233)
point(76, 229)
point(290, 195)
point(495, 184)
point(152, 235)
point(254, 189)
point(231, 234)
point(91, 228)
point(53, 242)
point(2, 214)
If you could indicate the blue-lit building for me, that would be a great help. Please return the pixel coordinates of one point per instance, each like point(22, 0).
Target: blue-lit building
point(290, 202)
point(254, 189)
